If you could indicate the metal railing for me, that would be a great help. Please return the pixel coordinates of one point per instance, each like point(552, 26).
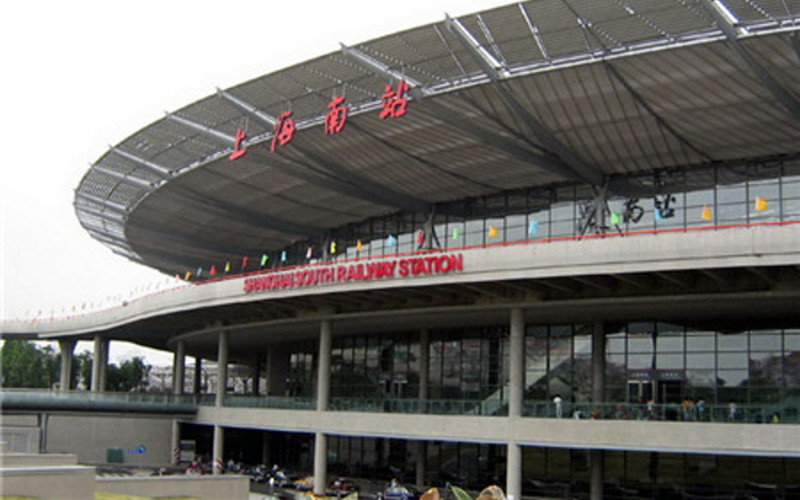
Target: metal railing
point(140, 402)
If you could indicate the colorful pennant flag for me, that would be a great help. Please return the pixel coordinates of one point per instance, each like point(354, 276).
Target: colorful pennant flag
point(492, 232)
point(358, 245)
point(420, 237)
point(391, 241)
point(283, 256)
point(761, 204)
point(658, 215)
point(228, 267)
point(264, 259)
point(456, 233)
point(309, 252)
point(244, 262)
point(333, 247)
point(614, 218)
point(706, 213)
point(213, 270)
point(533, 227)
point(199, 272)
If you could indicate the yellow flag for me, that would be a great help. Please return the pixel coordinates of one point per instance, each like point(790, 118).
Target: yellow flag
point(333, 247)
point(761, 204)
point(227, 267)
point(706, 213)
point(187, 276)
point(492, 232)
point(358, 246)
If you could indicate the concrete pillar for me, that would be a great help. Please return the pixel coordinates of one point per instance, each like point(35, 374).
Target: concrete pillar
point(66, 348)
point(104, 365)
point(265, 449)
point(598, 363)
point(222, 369)
point(516, 389)
point(513, 471)
point(320, 463)
point(175, 442)
point(596, 475)
point(424, 363)
point(424, 379)
point(41, 420)
point(324, 365)
point(219, 444)
point(99, 359)
point(197, 384)
point(516, 359)
point(179, 367)
point(421, 463)
point(277, 368)
point(257, 375)
point(596, 461)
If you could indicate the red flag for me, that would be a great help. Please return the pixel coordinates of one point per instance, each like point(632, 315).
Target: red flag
point(244, 262)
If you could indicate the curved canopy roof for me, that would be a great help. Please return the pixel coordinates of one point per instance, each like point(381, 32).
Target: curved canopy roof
point(530, 94)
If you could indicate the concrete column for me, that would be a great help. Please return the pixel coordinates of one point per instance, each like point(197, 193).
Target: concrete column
point(222, 369)
point(219, 444)
point(277, 368)
point(104, 365)
point(98, 364)
point(66, 348)
point(598, 363)
point(265, 449)
point(424, 363)
point(175, 442)
point(320, 463)
point(257, 375)
point(179, 367)
point(516, 359)
point(514, 471)
point(197, 384)
point(421, 464)
point(324, 365)
point(596, 461)
point(596, 474)
point(424, 379)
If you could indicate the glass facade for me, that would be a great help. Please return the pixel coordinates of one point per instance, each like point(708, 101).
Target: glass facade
point(652, 368)
point(717, 197)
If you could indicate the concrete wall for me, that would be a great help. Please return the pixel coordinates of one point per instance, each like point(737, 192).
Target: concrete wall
point(90, 437)
point(49, 483)
point(688, 437)
point(11, 460)
point(757, 246)
point(200, 487)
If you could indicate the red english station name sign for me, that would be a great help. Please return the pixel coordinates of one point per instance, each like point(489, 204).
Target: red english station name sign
point(361, 271)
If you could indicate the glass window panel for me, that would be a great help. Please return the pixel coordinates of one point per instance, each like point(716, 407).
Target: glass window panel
point(791, 341)
point(669, 344)
point(732, 342)
point(768, 190)
point(640, 344)
point(732, 378)
point(701, 378)
point(700, 361)
point(474, 233)
point(732, 360)
point(765, 341)
point(700, 343)
point(455, 235)
point(499, 230)
point(615, 345)
point(736, 194)
point(700, 198)
point(638, 361)
point(516, 228)
point(669, 361)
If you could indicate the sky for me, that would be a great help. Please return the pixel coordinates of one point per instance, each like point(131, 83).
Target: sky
point(79, 76)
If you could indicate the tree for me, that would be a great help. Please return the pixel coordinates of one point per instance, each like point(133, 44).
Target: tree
point(130, 376)
point(24, 364)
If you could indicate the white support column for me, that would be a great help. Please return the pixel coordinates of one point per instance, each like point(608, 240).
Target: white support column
point(179, 367)
point(66, 348)
point(98, 364)
point(222, 369)
point(424, 378)
point(320, 463)
point(175, 449)
point(218, 450)
point(516, 359)
point(516, 388)
point(324, 365)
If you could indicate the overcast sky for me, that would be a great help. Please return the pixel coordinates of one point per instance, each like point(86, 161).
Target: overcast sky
point(78, 76)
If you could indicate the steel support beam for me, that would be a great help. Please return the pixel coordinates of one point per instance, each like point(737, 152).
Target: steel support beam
point(125, 178)
point(160, 171)
point(118, 207)
point(248, 108)
point(726, 21)
point(497, 73)
point(207, 131)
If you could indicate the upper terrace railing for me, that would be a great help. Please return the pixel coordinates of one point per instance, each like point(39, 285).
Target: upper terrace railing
point(128, 402)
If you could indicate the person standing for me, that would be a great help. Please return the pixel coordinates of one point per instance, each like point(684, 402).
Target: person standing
point(559, 403)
